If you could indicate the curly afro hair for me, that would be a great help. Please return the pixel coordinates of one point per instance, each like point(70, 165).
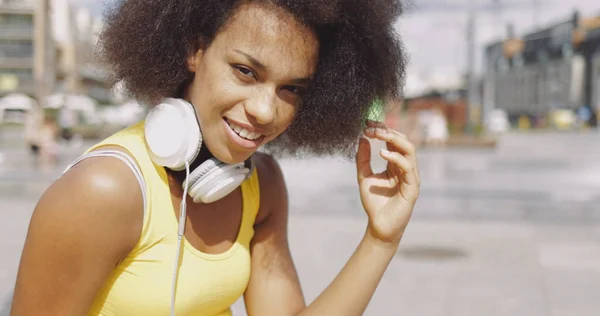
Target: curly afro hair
point(146, 42)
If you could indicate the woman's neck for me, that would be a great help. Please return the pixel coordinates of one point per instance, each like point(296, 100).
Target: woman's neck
point(179, 176)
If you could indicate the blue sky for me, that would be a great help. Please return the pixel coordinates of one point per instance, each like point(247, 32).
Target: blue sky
point(434, 30)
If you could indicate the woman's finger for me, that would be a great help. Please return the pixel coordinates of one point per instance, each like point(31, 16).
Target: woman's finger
point(363, 159)
point(403, 164)
point(398, 141)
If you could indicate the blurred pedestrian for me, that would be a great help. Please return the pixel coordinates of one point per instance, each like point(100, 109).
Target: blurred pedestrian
point(34, 119)
point(48, 138)
point(436, 132)
point(67, 119)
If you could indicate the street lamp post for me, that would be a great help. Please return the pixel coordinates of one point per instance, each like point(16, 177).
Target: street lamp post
point(471, 80)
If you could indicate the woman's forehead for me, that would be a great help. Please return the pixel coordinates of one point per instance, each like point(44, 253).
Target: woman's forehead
point(268, 32)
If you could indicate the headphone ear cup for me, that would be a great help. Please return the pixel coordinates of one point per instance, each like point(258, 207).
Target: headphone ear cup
point(201, 171)
point(172, 133)
point(214, 180)
point(220, 189)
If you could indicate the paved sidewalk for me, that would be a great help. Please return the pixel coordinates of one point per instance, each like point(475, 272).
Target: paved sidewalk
point(462, 268)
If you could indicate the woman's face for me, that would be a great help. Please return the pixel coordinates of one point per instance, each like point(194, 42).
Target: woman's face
point(248, 83)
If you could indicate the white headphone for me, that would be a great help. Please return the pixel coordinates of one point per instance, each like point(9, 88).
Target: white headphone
point(173, 138)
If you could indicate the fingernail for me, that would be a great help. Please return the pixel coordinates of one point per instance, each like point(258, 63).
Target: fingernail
point(370, 130)
point(385, 151)
point(381, 131)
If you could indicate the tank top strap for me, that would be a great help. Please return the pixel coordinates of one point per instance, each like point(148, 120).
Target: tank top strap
point(156, 223)
point(251, 205)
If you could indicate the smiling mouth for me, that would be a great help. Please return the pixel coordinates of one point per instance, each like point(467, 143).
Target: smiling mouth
point(244, 133)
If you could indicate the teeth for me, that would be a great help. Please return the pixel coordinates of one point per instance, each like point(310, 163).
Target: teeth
point(244, 132)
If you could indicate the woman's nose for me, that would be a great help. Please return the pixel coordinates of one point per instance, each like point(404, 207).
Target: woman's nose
point(262, 107)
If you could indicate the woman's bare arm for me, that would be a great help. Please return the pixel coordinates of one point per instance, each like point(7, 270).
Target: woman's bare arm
point(83, 225)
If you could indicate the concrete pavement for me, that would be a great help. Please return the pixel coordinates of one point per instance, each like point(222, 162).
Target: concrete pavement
point(513, 230)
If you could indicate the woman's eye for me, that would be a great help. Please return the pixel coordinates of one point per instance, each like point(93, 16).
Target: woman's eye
point(245, 71)
point(295, 90)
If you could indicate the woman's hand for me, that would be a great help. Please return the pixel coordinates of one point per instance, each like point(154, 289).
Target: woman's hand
point(388, 197)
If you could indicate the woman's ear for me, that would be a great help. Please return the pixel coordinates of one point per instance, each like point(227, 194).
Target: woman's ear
point(194, 59)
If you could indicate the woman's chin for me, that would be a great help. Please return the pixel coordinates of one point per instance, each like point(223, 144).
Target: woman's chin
point(231, 157)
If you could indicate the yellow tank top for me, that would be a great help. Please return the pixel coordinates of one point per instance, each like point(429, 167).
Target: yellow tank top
point(208, 284)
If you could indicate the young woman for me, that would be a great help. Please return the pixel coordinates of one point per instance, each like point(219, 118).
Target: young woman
point(179, 213)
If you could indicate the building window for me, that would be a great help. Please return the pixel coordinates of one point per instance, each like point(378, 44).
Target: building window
point(518, 61)
point(542, 56)
point(567, 51)
point(16, 20)
point(12, 48)
point(502, 65)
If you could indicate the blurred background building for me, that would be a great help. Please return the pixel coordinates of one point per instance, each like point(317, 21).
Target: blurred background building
point(47, 61)
point(72, 37)
point(550, 71)
point(16, 47)
point(544, 77)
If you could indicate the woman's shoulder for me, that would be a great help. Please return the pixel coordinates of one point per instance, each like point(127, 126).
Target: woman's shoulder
point(273, 191)
point(101, 176)
point(97, 196)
